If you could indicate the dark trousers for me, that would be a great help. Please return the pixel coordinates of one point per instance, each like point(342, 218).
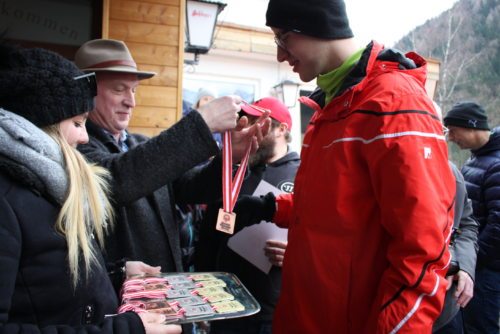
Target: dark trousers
point(455, 326)
point(482, 314)
point(254, 328)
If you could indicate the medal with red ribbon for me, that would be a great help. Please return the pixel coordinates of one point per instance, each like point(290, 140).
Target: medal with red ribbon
point(230, 187)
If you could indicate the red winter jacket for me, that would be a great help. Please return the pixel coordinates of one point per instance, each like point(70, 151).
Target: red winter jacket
point(370, 219)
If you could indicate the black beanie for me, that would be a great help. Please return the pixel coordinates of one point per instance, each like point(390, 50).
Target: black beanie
point(467, 115)
point(40, 85)
point(318, 18)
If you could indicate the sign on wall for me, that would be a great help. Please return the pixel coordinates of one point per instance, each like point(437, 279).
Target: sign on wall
point(49, 21)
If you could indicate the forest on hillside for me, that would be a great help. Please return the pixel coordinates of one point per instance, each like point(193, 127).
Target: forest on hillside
point(465, 39)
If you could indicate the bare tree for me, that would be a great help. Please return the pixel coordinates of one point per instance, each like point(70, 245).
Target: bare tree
point(454, 61)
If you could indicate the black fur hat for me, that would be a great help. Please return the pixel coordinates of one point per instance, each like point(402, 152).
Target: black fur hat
point(318, 18)
point(42, 86)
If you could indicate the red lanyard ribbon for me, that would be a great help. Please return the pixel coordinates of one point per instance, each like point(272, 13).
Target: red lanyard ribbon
point(230, 187)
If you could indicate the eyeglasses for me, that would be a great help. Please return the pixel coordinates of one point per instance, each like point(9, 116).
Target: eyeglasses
point(280, 39)
point(90, 80)
point(445, 131)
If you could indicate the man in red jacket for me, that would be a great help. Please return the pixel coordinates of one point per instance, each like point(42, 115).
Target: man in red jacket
point(371, 216)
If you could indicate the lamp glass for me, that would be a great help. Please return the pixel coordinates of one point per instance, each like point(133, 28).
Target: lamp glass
point(290, 95)
point(287, 92)
point(201, 19)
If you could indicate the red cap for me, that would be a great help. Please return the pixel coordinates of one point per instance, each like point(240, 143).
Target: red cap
point(277, 109)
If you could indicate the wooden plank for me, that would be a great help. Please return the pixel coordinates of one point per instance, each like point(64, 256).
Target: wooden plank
point(232, 45)
point(156, 96)
point(180, 60)
point(262, 39)
point(140, 11)
point(231, 35)
point(244, 40)
point(164, 2)
point(105, 18)
point(144, 32)
point(144, 116)
point(154, 54)
point(165, 75)
point(265, 49)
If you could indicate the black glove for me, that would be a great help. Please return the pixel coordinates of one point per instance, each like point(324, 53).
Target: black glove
point(251, 209)
point(453, 268)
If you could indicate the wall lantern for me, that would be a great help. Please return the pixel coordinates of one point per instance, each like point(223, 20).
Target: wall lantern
point(201, 18)
point(287, 91)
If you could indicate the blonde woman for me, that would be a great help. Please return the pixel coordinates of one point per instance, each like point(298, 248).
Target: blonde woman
point(54, 210)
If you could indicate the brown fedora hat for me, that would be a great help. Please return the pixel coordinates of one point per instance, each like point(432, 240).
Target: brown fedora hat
point(108, 55)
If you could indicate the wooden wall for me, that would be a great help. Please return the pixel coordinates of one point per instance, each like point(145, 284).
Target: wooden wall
point(433, 66)
point(233, 37)
point(153, 31)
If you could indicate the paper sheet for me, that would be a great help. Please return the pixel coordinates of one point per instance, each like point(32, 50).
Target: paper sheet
point(249, 243)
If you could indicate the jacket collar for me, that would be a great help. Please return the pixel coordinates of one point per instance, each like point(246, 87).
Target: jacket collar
point(290, 156)
point(492, 145)
point(104, 136)
point(366, 65)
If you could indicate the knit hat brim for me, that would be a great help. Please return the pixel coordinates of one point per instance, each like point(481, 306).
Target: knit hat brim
point(467, 115)
point(466, 123)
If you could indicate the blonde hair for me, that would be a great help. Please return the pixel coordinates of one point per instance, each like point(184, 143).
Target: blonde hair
point(86, 210)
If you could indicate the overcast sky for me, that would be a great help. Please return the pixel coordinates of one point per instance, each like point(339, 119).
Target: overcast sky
point(383, 20)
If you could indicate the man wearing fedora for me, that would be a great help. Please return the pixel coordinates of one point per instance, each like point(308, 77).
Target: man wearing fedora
point(468, 127)
point(151, 175)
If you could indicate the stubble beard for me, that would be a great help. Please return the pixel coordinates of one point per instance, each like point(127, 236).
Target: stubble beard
point(265, 151)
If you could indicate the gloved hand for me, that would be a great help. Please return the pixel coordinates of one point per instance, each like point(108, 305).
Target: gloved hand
point(251, 209)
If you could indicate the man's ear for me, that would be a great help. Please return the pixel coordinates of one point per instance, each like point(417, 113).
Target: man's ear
point(283, 128)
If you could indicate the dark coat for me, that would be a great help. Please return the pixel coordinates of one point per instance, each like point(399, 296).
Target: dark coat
point(36, 295)
point(148, 180)
point(482, 175)
point(463, 247)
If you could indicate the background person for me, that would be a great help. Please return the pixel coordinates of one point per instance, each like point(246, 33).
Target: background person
point(53, 205)
point(460, 275)
point(463, 249)
point(204, 96)
point(191, 215)
point(468, 127)
point(276, 164)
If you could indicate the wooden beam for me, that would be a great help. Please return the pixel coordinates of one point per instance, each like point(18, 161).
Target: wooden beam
point(144, 32)
point(140, 11)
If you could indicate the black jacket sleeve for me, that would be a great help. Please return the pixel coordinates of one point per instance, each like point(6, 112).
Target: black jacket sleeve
point(465, 246)
point(126, 323)
point(200, 185)
point(489, 237)
point(157, 161)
